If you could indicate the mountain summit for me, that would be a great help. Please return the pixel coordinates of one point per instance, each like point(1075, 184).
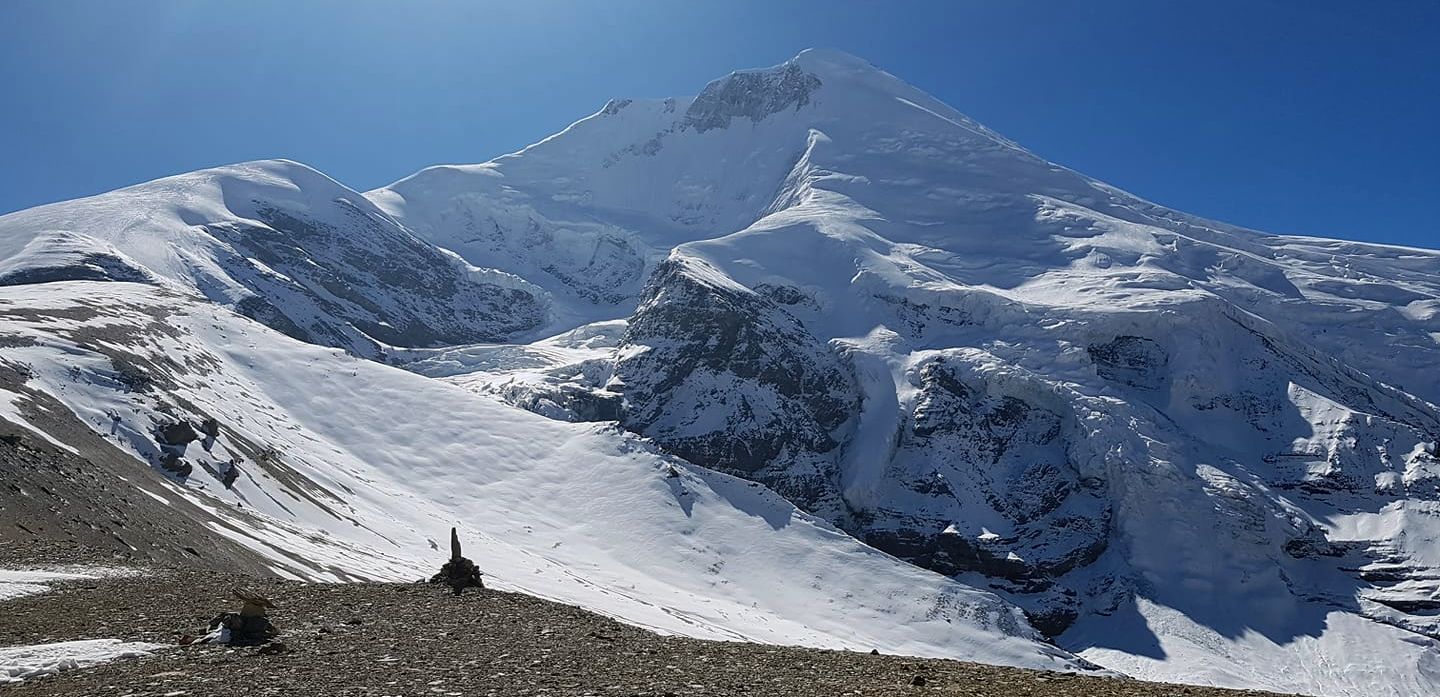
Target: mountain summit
point(680, 360)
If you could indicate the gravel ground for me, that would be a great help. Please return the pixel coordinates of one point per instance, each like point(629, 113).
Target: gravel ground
point(416, 639)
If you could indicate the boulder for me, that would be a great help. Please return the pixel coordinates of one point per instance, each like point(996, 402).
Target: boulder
point(172, 462)
point(229, 472)
point(176, 434)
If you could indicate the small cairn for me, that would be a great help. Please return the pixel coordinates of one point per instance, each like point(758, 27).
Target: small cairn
point(249, 627)
point(459, 573)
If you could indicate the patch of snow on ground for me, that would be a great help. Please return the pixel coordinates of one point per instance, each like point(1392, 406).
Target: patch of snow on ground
point(19, 663)
point(17, 583)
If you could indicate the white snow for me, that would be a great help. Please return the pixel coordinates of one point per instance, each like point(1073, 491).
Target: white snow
point(15, 583)
point(1345, 654)
point(10, 410)
point(373, 463)
point(891, 201)
point(880, 415)
point(1295, 402)
point(19, 663)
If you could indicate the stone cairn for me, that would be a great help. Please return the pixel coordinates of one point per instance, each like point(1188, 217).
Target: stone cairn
point(248, 627)
point(459, 573)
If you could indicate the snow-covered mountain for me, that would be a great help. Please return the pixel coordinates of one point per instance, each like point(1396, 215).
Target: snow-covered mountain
point(282, 244)
point(348, 469)
point(1188, 451)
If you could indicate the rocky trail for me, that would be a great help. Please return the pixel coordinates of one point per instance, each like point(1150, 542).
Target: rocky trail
point(417, 639)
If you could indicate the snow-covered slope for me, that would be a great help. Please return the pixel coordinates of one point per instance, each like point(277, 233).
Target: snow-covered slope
point(346, 469)
point(1187, 450)
point(278, 242)
point(1149, 429)
point(590, 211)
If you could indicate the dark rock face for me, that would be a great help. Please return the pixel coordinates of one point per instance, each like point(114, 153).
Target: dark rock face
point(967, 455)
point(366, 282)
point(751, 95)
point(783, 294)
point(917, 319)
point(1016, 455)
point(96, 266)
point(724, 378)
point(1131, 360)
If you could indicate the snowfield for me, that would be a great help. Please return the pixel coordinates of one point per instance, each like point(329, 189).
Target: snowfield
point(356, 470)
point(809, 357)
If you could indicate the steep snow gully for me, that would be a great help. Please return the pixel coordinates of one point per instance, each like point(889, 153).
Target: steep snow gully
point(807, 358)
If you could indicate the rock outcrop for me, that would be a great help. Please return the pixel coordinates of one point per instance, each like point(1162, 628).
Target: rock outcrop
point(725, 378)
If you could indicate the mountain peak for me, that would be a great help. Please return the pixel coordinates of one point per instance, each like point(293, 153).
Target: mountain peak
point(752, 94)
point(831, 60)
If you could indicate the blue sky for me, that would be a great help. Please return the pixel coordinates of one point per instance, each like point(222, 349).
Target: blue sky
point(1305, 116)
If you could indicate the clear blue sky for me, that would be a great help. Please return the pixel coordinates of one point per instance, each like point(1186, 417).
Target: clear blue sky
point(1304, 116)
